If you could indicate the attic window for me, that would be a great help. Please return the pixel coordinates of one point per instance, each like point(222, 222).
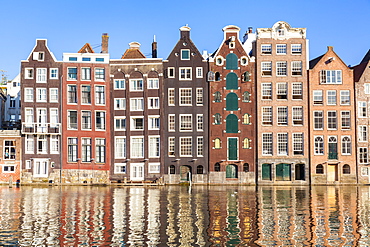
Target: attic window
point(86, 59)
point(39, 56)
point(232, 45)
point(185, 54)
point(99, 59)
point(73, 59)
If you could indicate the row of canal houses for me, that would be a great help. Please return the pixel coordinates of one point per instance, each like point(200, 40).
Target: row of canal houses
point(255, 111)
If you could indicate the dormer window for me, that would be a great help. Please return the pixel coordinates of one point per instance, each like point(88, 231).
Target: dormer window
point(185, 54)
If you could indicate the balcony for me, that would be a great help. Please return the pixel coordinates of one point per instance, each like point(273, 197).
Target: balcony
point(41, 128)
point(333, 156)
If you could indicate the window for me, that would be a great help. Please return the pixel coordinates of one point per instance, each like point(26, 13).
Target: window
point(266, 143)
point(231, 81)
point(318, 117)
point(72, 93)
point(29, 144)
point(246, 118)
point(185, 54)
point(72, 59)
point(282, 143)
point(296, 49)
point(298, 143)
point(363, 155)
point(28, 73)
point(217, 142)
point(344, 97)
point(99, 59)
point(28, 94)
point(86, 120)
point(154, 145)
point(217, 97)
point(185, 96)
point(8, 168)
point(346, 145)
point(9, 150)
point(86, 150)
point(185, 73)
point(54, 97)
point(199, 95)
point(245, 167)
point(266, 91)
point(332, 120)
point(136, 104)
point(346, 169)
point(119, 104)
point(319, 145)
point(282, 115)
point(267, 115)
point(72, 74)
point(331, 76)
point(72, 120)
point(41, 95)
point(172, 169)
point(99, 74)
point(297, 115)
point(29, 117)
point(154, 123)
point(281, 49)
point(40, 167)
point(232, 102)
point(119, 84)
point(266, 68)
point(281, 68)
point(331, 97)
point(154, 168)
point(297, 68)
point(200, 144)
point(54, 144)
point(246, 143)
point(85, 74)
point(153, 83)
point(153, 103)
point(367, 88)
point(232, 124)
point(99, 95)
point(41, 144)
point(54, 118)
point(171, 96)
point(362, 133)
point(217, 167)
point(136, 85)
point(200, 125)
point(100, 120)
point(199, 72)
point(362, 109)
point(40, 75)
point(297, 90)
point(137, 147)
point(171, 146)
point(86, 94)
point(282, 91)
point(100, 150)
point(211, 76)
point(120, 123)
point(171, 72)
point(171, 122)
point(246, 76)
point(186, 122)
point(199, 169)
point(317, 97)
point(53, 73)
point(119, 168)
point(137, 123)
point(246, 97)
point(231, 61)
point(319, 169)
point(217, 117)
point(86, 59)
point(266, 49)
point(186, 146)
point(346, 119)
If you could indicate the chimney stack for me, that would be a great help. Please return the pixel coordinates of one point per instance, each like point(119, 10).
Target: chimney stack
point(154, 48)
point(104, 43)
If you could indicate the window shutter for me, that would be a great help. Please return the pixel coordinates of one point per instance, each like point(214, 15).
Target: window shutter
point(231, 61)
point(231, 81)
point(232, 102)
point(35, 56)
point(232, 124)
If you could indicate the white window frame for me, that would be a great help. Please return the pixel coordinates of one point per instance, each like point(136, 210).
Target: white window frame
point(153, 103)
point(282, 144)
point(152, 119)
point(297, 68)
point(171, 146)
point(120, 154)
point(296, 49)
point(319, 147)
point(363, 133)
point(154, 151)
point(266, 49)
point(331, 120)
point(298, 143)
point(282, 115)
point(199, 73)
point(267, 144)
point(185, 147)
point(121, 119)
point(53, 73)
point(185, 73)
point(169, 70)
point(154, 167)
point(185, 97)
point(281, 49)
point(29, 144)
point(345, 117)
point(199, 96)
point(266, 68)
point(318, 119)
point(135, 104)
point(297, 91)
point(53, 95)
point(133, 125)
point(267, 118)
point(41, 95)
point(266, 91)
point(137, 151)
point(85, 74)
point(99, 74)
point(153, 83)
point(345, 97)
point(362, 109)
point(200, 122)
point(171, 97)
point(316, 95)
point(41, 75)
point(29, 73)
point(119, 84)
point(181, 54)
point(200, 146)
point(363, 155)
point(103, 125)
point(28, 94)
point(346, 150)
point(119, 103)
point(282, 91)
point(100, 96)
point(171, 122)
point(118, 168)
point(297, 115)
point(184, 126)
point(135, 85)
point(330, 95)
point(42, 170)
point(54, 144)
point(281, 68)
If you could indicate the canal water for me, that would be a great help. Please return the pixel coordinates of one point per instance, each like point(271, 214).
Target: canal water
point(185, 216)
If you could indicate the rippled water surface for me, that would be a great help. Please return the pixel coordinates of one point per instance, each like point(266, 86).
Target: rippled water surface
point(184, 216)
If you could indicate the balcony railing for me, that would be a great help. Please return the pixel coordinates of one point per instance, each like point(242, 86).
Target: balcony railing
point(333, 156)
point(41, 128)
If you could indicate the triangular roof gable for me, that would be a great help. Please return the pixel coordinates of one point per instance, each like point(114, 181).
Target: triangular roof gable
point(86, 49)
point(366, 57)
point(359, 70)
point(39, 43)
point(315, 61)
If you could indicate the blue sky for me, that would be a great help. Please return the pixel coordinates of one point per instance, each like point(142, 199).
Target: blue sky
point(68, 25)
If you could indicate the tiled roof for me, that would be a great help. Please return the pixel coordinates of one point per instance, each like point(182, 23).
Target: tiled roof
point(86, 49)
point(314, 61)
point(132, 53)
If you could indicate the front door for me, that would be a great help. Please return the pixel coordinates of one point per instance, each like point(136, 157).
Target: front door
point(283, 172)
point(332, 173)
point(185, 173)
point(137, 172)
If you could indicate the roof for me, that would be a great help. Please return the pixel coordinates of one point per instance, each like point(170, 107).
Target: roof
point(86, 49)
point(366, 57)
point(314, 61)
point(132, 53)
point(359, 70)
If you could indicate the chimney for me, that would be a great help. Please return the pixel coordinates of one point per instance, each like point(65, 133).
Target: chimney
point(154, 48)
point(104, 43)
point(185, 32)
point(250, 29)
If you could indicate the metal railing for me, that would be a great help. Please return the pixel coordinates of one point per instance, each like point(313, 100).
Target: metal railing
point(41, 128)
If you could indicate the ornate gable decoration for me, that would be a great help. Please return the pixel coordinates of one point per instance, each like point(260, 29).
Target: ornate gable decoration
point(86, 49)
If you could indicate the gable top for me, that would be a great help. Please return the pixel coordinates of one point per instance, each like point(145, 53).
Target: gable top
point(366, 57)
point(133, 52)
point(40, 42)
point(361, 68)
point(185, 28)
point(281, 30)
point(327, 58)
point(86, 49)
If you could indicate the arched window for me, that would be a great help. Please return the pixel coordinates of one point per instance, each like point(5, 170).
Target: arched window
point(231, 102)
point(246, 119)
point(217, 76)
point(217, 143)
point(199, 169)
point(231, 123)
point(231, 81)
point(346, 145)
point(319, 169)
point(231, 171)
point(246, 76)
point(231, 61)
point(172, 169)
point(217, 97)
point(246, 97)
point(217, 167)
point(346, 169)
point(217, 118)
point(211, 76)
point(319, 145)
point(247, 143)
point(245, 167)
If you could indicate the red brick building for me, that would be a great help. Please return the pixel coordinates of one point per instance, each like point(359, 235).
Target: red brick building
point(10, 159)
